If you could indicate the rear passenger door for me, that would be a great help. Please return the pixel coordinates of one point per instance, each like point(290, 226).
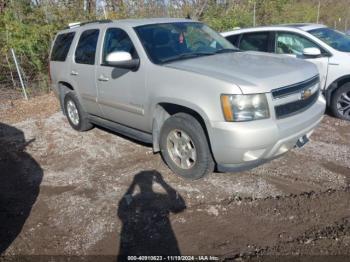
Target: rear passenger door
point(121, 91)
point(258, 41)
point(83, 70)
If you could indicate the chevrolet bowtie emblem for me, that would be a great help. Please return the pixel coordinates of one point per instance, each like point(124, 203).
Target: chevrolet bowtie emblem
point(305, 94)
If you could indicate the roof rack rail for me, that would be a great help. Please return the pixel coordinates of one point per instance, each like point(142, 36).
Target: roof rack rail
point(77, 24)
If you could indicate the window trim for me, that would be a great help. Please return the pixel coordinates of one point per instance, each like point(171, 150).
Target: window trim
point(77, 43)
point(100, 62)
point(324, 52)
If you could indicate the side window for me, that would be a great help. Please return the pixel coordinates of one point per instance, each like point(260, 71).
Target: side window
point(61, 47)
point(289, 43)
point(117, 40)
point(255, 42)
point(233, 39)
point(86, 49)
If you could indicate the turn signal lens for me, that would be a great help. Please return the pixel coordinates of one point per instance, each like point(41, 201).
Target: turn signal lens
point(227, 108)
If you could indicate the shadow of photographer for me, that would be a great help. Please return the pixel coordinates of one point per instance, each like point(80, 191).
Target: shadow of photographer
point(20, 179)
point(146, 227)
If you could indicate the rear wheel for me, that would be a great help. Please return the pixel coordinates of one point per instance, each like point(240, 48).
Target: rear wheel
point(185, 147)
point(76, 116)
point(341, 102)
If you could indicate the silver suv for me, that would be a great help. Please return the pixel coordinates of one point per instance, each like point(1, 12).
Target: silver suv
point(180, 86)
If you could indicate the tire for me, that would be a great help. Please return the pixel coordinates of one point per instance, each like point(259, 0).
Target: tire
point(76, 116)
point(190, 137)
point(340, 103)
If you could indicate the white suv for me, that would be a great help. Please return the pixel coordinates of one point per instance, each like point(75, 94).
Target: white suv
point(327, 48)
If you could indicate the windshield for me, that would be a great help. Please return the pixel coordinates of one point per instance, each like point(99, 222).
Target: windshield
point(183, 40)
point(335, 39)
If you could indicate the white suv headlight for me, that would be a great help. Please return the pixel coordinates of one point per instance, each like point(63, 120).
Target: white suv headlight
point(239, 108)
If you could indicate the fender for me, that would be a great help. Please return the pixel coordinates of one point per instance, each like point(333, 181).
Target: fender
point(159, 115)
point(333, 86)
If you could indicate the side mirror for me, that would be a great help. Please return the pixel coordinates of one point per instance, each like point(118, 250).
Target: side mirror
point(122, 60)
point(312, 52)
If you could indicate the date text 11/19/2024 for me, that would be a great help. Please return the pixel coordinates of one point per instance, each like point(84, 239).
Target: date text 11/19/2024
point(172, 258)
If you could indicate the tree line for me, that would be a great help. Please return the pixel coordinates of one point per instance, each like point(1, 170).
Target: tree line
point(28, 26)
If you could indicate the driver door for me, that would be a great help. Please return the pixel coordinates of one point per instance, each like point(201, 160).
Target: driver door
point(292, 44)
point(121, 92)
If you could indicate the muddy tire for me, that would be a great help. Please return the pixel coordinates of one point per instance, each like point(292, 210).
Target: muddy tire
point(185, 148)
point(76, 116)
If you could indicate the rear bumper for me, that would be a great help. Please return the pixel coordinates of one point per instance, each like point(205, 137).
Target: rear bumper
point(239, 146)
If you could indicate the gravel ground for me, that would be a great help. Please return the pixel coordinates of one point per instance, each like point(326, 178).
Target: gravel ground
point(96, 193)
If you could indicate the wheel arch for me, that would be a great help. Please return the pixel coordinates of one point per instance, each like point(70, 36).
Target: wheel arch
point(164, 110)
point(334, 86)
point(63, 88)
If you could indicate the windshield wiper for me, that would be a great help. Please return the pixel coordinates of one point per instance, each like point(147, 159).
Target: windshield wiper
point(226, 50)
point(186, 56)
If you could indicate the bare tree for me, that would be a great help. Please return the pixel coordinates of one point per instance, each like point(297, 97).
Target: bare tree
point(3, 4)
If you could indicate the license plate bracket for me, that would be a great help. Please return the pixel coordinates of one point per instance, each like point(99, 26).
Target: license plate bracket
point(302, 141)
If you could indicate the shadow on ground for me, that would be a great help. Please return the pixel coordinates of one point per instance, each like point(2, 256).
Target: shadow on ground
point(144, 211)
point(20, 178)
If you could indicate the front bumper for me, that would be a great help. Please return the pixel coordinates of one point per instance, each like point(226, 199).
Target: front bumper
point(239, 146)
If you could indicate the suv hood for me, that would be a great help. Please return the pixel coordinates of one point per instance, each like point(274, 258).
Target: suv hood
point(253, 72)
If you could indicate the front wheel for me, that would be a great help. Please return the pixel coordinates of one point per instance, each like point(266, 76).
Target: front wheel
point(341, 102)
point(184, 147)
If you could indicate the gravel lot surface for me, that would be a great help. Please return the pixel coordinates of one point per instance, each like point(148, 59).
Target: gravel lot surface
point(97, 193)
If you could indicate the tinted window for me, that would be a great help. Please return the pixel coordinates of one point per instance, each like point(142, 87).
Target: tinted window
point(233, 39)
point(255, 42)
point(288, 43)
point(335, 39)
point(117, 40)
point(61, 46)
point(86, 49)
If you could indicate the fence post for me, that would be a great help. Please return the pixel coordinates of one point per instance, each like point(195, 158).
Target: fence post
point(19, 74)
point(10, 68)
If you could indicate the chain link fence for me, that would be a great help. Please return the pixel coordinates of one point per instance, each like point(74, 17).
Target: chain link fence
point(10, 84)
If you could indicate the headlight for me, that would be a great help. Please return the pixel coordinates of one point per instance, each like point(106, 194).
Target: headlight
point(238, 108)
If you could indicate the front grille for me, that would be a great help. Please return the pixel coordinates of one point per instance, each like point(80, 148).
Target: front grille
point(295, 107)
point(295, 88)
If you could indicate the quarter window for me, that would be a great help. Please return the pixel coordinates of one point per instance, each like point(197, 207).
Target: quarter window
point(233, 39)
point(86, 49)
point(61, 47)
point(117, 40)
point(288, 43)
point(255, 42)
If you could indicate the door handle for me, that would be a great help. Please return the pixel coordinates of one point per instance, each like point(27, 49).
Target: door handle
point(103, 78)
point(74, 73)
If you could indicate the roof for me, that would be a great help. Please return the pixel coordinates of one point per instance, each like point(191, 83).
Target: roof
point(300, 26)
point(304, 26)
point(147, 21)
point(132, 22)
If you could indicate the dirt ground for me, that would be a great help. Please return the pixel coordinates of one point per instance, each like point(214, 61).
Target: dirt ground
point(96, 193)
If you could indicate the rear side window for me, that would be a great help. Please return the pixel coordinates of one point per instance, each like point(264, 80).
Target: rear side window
point(255, 42)
point(233, 39)
point(61, 46)
point(86, 49)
